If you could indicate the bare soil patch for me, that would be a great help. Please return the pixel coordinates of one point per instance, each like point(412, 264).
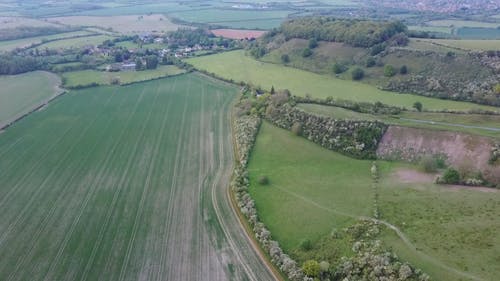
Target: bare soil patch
point(238, 33)
point(413, 176)
point(463, 151)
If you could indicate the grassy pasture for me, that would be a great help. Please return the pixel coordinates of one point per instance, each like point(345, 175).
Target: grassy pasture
point(239, 67)
point(87, 77)
point(454, 120)
point(429, 44)
point(454, 227)
point(123, 183)
point(298, 168)
point(123, 24)
point(322, 59)
point(26, 42)
point(21, 93)
point(313, 190)
point(133, 45)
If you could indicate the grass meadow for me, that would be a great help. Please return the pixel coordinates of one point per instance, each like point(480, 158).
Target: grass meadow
point(487, 125)
point(313, 191)
point(21, 93)
point(88, 77)
point(122, 183)
point(239, 67)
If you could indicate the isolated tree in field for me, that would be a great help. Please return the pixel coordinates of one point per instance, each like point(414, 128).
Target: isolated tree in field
point(306, 52)
point(313, 43)
point(311, 268)
point(272, 90)
point(151, 62)
point(357, 74)
point(263, 180)
point(389, 71)
point(418, 106)
point(285, 58)
point(403, 70)
point(370, 62)
point(297, 129)
point(338, 68)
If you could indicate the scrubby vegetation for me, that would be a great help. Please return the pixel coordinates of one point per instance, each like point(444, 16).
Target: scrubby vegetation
point(356, 138)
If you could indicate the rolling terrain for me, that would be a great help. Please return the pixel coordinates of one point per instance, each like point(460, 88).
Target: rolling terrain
point(239, 67)
point(447, 231)
point(124, 183)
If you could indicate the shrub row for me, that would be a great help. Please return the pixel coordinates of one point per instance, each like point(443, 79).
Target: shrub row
point(245, 129)
point(358, 139)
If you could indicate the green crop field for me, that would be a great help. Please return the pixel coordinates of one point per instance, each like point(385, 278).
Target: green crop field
point(87, 77)
point(462, 23)
point(26, 42)
point(248, 19)
point(439, 29)
point(123, 24)
point(76, 42)
point(478, 124)
point(313, 191)
point(124, 183)
point(21, 93)
point(239, 67)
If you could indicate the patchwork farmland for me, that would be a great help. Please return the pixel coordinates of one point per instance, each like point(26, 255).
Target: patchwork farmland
point(124, 183)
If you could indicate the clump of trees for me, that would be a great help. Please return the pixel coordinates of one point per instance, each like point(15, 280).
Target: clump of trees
point(389, 70)
point(357, 74)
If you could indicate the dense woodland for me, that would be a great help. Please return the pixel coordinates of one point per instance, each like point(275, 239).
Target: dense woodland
point(357, 33)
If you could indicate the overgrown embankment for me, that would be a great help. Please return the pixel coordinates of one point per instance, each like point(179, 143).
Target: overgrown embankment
point(358, 139)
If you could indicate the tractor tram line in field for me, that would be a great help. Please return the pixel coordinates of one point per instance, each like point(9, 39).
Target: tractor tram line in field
point(41, 228)
point(88, 196)
point(118, 199)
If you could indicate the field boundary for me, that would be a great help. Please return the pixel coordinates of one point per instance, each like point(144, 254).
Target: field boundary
point(278, 275)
